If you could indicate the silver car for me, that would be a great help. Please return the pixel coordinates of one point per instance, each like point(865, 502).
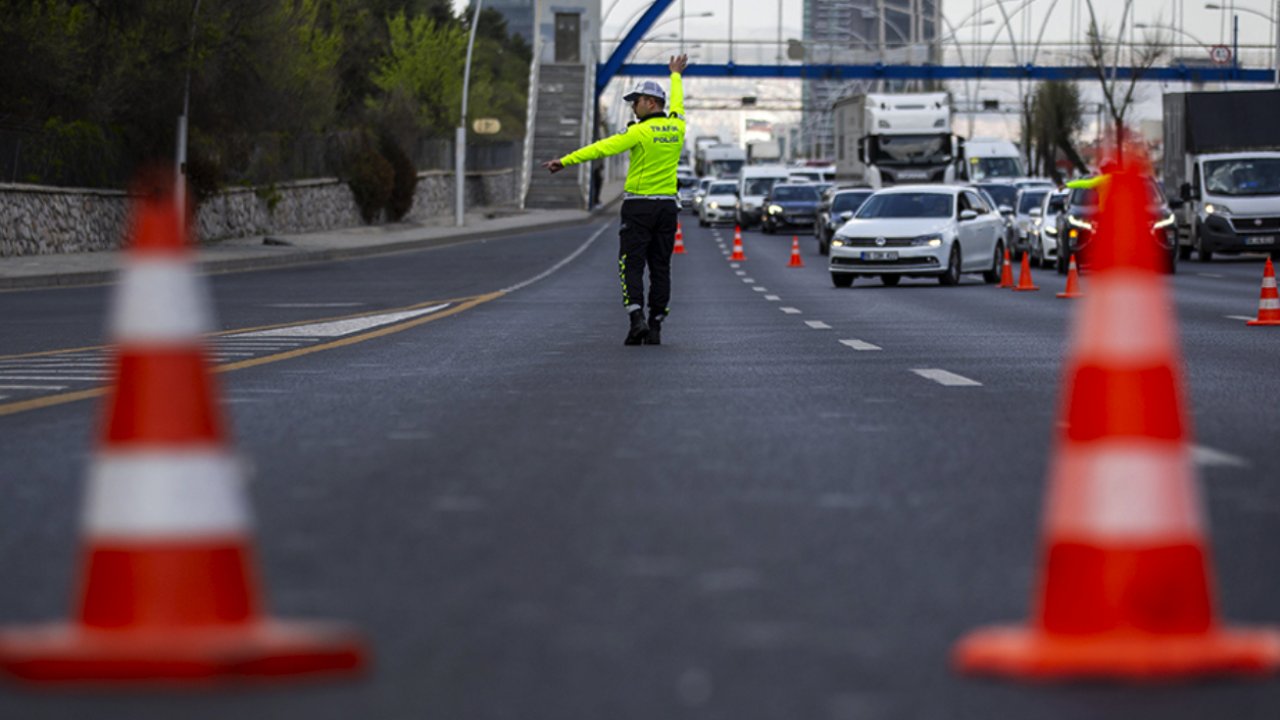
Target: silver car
point(1044, 234)
point(919, 231)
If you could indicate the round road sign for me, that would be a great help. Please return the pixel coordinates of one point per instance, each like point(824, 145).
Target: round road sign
point(1220, 54)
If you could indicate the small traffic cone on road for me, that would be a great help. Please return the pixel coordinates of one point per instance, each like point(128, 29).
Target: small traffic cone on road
point(1269, 302)
point(1073, 281)
point(679, 249)
point(167, 588)
point(1024, 275)
point(796, 260)
point(1006, 273)
point(1125, 585)
point(737, 245)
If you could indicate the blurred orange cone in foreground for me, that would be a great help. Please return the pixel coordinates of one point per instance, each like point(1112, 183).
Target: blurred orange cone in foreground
point(1024, 275)
point(1125, 584)
point(796, 260)
point(1006, 272)
point(737, 244)
point(679, 249)
point(1269, 302)
point(1073, 281)
point(167, 589)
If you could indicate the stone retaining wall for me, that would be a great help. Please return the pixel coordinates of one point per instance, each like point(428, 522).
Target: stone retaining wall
point(36, 220)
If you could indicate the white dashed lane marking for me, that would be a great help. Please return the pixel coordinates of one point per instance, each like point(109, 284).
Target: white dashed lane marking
point(739, 273)
point(772, 298)
point(1207, 456)
point(760, 288)
point(1215, 276)
point(790, 310)
point(33, 387)
point(316, 305)
point(859, 344)
point(944, 377)
point(817, 324)
point(1245, 318)
point(749, 281)
point(736, 266)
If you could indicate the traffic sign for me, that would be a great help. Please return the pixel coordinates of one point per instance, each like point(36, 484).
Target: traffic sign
point(1220, 54)
point(486, 126)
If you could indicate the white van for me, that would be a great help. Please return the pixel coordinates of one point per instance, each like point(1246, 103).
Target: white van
point(986, 159)
point(754, 184)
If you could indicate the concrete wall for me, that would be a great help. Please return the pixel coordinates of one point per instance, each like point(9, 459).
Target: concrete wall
point(36, 220)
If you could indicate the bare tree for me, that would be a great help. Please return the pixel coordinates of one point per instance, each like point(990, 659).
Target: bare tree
point(1117, 96)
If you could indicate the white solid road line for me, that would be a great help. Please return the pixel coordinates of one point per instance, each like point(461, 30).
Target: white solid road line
point(315, 305)
point(817, 324)
point(338, 328)
point(48, 378)
point(772, 298)
point(790, 310)
point(33, 387)
point(1207, 456)
point(859, 344)
point(1245, 318)
point(581, 248)
point(943, 377)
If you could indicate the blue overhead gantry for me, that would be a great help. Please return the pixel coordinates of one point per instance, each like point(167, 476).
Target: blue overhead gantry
point(617, 66)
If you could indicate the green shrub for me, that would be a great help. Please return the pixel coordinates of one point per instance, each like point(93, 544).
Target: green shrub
point(369, 176)
point(404, 180)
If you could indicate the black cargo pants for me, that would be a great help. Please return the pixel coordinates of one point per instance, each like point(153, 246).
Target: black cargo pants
point(647, 237)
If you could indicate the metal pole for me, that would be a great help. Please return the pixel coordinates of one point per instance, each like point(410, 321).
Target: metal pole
point(460, 137)
point(681, 27)
point(180, 156)
point(730, 32)
point(1276, 82)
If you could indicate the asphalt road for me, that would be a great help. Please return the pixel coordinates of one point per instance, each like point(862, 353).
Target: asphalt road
point(762, 518)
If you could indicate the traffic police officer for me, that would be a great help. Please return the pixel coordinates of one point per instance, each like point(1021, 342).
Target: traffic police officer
point(651, 203)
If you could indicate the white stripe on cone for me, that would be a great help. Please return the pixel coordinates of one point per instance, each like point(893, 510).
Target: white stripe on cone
point(160, 299)
point(1269, 304)
point(1128, 321)
point(1269, 282)
point(1124, 489)
point(157, 493)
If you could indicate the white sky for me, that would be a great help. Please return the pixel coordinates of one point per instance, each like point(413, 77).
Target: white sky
point(757, 20)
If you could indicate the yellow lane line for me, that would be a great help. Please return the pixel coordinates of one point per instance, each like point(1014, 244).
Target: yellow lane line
point(465, 304)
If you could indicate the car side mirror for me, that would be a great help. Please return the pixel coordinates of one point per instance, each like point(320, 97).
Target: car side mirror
point(1035, 212)
point(968, 215)
point(846, 215)
point(1175, 203)
point(1005, 210)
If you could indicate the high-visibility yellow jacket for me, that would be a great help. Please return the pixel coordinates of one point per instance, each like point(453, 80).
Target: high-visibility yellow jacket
point(655, 144)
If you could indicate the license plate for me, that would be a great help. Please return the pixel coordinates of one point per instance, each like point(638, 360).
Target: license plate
point(1260, 240)
point(880, 255)
point(913, 175)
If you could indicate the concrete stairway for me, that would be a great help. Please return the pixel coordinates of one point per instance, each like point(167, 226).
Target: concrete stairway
point(558, 126)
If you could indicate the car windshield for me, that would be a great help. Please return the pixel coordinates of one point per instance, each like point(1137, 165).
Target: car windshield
point(913, 149)
point(1029, 200)
point(848, 202)
point(994, 167)
point(906, 205)
point(1001, 193)
point(723, 189)
point(686, 181)
point(1243, 176)
point(727, 168)
point(794, 192)
point(1088, 197)
point(759, 186)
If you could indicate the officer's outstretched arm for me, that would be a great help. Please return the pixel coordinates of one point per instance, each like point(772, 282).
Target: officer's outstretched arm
point(611, 145)
point(675, 103)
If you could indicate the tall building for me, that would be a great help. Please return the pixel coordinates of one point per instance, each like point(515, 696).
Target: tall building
point(856, 32)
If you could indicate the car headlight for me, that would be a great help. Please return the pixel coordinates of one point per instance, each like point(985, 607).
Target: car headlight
point(1077, 222)
point(735, 205)
point(775, 209)
point(713, 205)
point(1050, 230)
point(837, 242)
point(927, 241)
point(1162, 224)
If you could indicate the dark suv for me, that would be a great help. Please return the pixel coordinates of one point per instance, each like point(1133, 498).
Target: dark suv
point(834, 210)
point(1076, 226)
point(789, 205)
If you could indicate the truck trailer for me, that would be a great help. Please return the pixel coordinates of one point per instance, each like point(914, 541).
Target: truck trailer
point(1222, 159)
point(884, 139)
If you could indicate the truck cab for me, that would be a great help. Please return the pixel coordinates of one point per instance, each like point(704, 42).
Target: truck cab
point(1231, 205)
point(892, 139)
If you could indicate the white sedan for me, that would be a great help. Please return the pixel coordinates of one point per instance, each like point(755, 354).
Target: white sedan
point(720, 204)
point(920, 230)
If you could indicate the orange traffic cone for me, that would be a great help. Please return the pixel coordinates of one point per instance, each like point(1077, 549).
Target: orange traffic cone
point(1024, 275)
point(1269, 302)
point(167, 586)
point(1006, 272)
point(1073, 281)
point(795, 261)
point(679, 249)
point(737, 244)
point(1125, 585)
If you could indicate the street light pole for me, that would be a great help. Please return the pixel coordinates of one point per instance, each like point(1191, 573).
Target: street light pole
point(180, 155)
point(460, 137)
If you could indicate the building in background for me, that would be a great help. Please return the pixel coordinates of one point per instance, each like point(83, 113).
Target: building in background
point(518, 14)
point(860, 32)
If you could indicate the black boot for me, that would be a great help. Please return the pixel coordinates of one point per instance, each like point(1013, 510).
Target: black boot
point(655, 331)
point(639, 329)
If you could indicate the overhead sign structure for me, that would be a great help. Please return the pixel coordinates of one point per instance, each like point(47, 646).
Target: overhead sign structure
point(1220, 54)
point(486, 126)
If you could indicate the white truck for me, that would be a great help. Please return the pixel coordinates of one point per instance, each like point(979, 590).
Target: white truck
point(1222, 167)
point(764, 152)
point(985, 158)
point(722, 161)
point(894, 139)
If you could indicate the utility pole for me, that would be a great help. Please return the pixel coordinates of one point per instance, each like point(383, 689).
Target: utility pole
point(460, 137)
point(180, 156)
